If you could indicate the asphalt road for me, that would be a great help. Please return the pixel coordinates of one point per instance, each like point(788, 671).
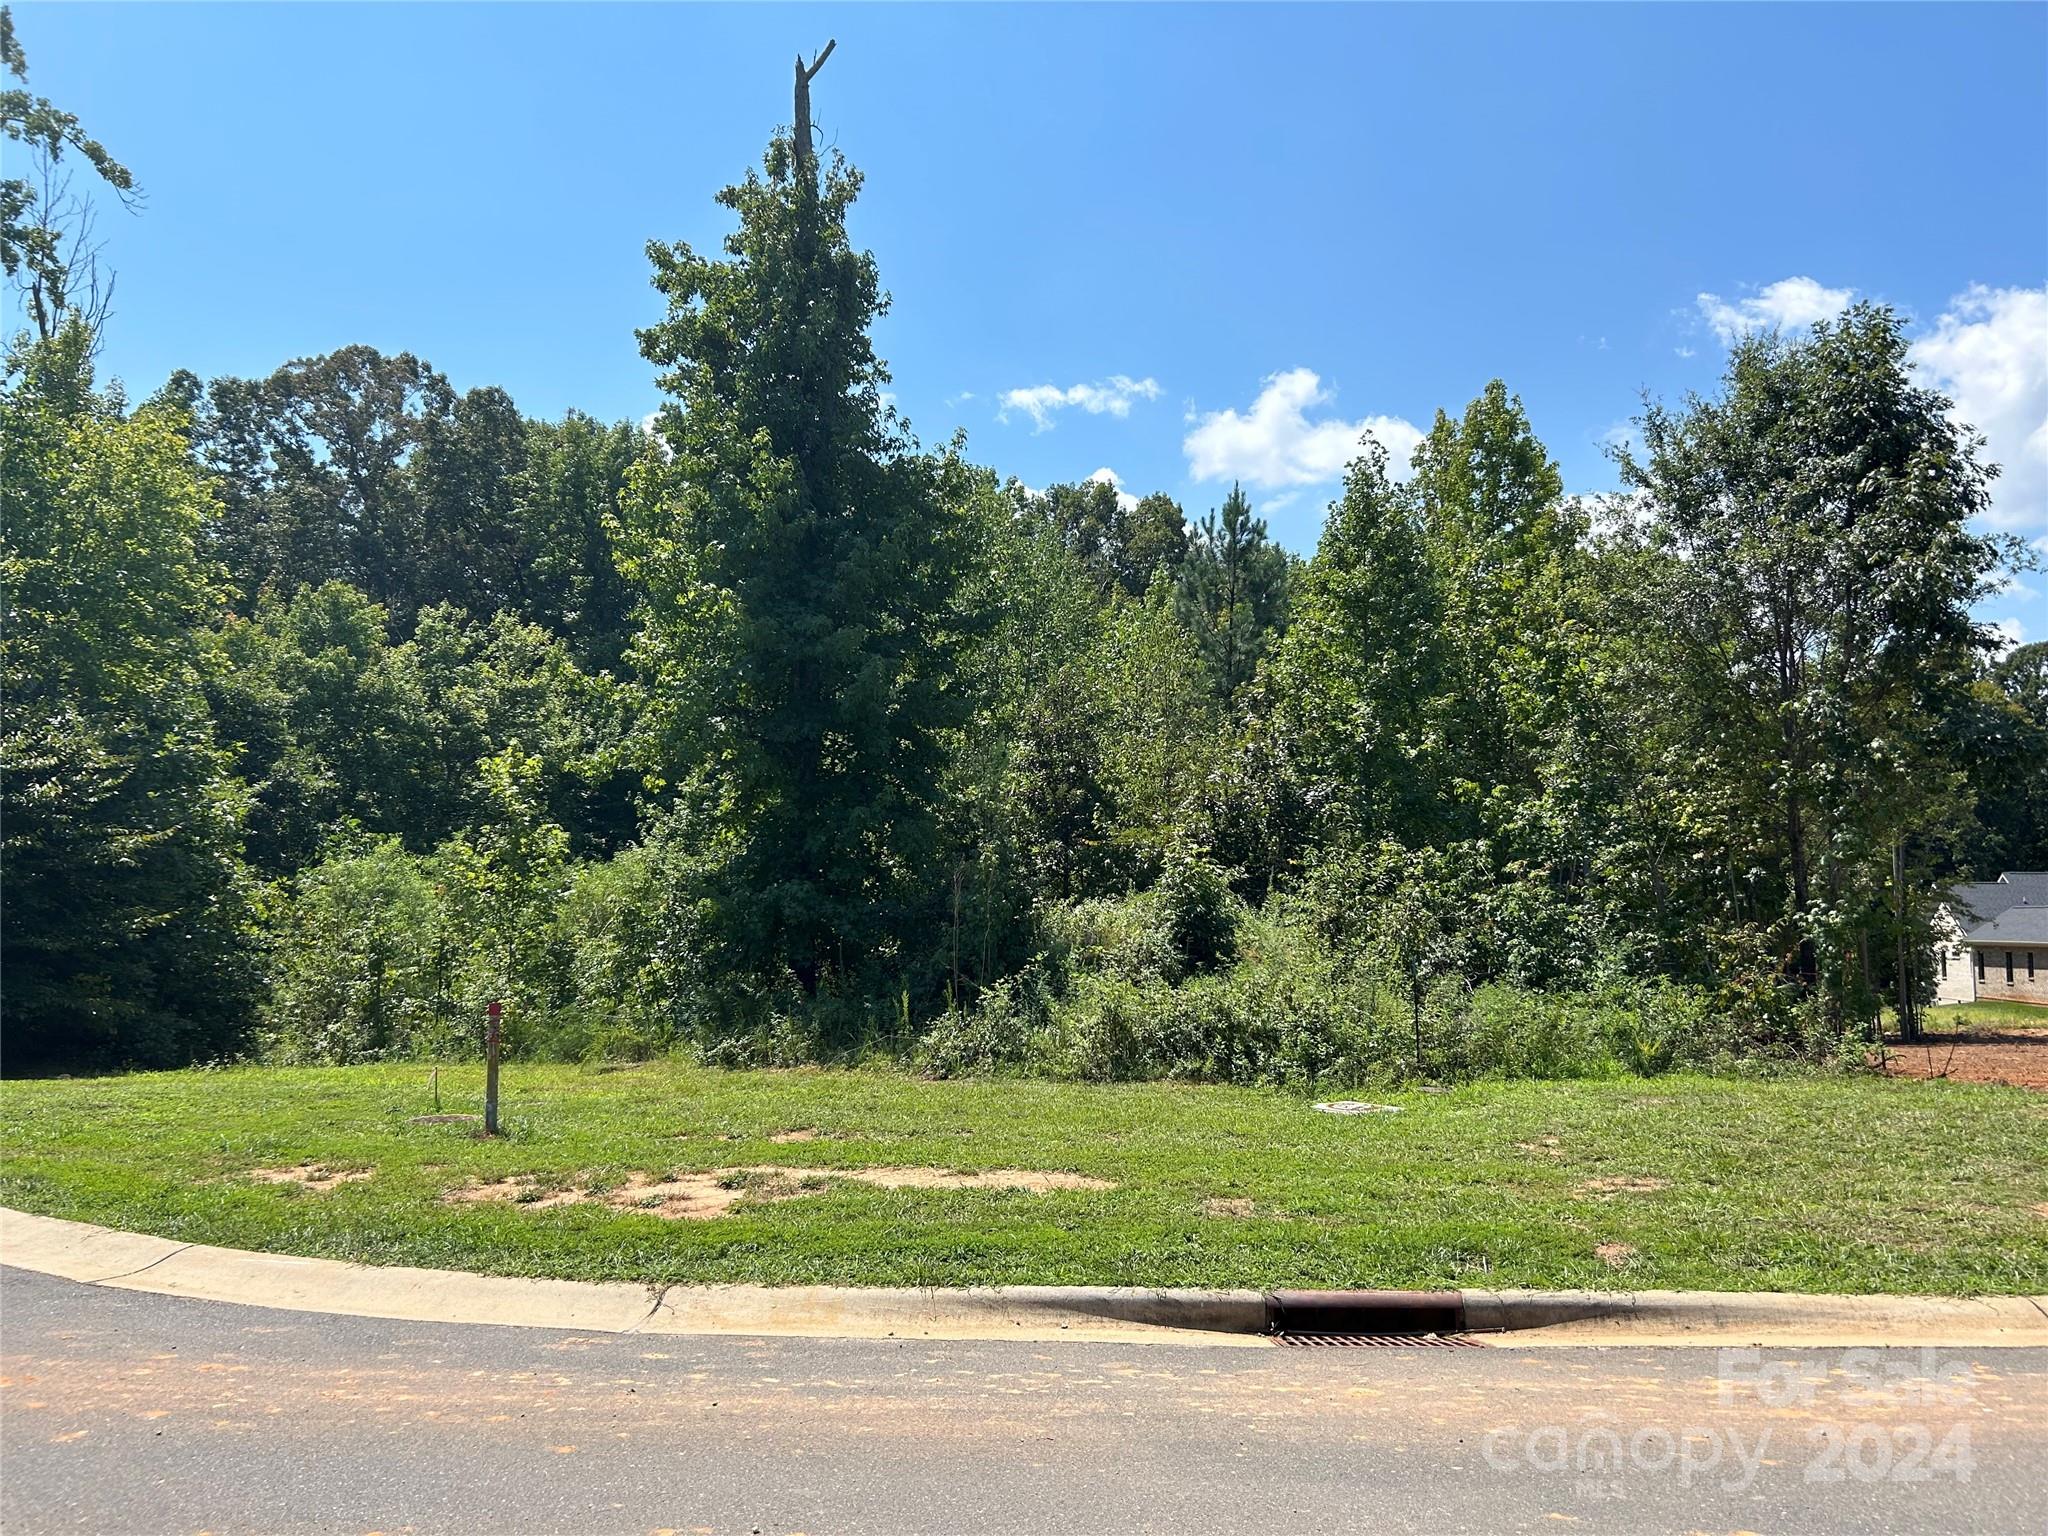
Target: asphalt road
point(125, 1412)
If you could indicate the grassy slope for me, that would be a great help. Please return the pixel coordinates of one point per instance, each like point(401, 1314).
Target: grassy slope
point(1846, 1184)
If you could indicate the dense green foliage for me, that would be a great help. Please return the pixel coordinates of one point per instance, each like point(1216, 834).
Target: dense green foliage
point(126, 899)
point(339, 702)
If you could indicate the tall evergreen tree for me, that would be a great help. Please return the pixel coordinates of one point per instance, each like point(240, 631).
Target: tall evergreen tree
point(1233, 591)
point(801, 566)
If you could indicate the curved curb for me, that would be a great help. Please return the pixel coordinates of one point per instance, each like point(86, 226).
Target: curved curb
point(135, 1261)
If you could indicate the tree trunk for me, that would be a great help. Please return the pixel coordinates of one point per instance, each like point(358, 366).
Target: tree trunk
point(800, 135)
point(1807, 966)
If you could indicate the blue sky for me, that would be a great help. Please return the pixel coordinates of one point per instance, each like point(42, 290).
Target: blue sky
point(1184, 244)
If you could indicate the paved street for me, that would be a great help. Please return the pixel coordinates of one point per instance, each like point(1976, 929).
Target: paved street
point(127, 1412)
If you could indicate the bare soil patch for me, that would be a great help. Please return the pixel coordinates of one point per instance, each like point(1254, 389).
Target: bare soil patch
point(1615, 1255)
point(702, 1196)
point(1234, 1207)
point(516, 1192)
point(313, 1176)
point(2015, 1057)
point(1620, 1184)
point(1543, 1146)
point(803, 1133)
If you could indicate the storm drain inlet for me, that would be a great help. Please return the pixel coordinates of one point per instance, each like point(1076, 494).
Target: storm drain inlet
point(1378, 1340)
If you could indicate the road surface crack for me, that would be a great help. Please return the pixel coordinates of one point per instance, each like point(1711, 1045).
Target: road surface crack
point(659, 1297)
point(152, 1264)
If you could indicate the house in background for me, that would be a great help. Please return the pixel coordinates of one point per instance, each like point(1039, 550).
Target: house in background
point(1991, 941)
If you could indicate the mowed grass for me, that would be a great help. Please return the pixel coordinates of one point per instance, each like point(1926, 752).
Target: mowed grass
point(1839, 1183)
point(1950, 1017)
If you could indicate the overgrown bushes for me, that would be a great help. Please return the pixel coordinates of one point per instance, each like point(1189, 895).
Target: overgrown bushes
point(1114, 1000)
point(382, 953)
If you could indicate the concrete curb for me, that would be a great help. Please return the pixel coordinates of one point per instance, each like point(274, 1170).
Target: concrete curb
point(134, 1261)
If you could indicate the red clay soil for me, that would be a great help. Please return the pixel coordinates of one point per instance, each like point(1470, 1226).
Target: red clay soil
point(1994, 1054)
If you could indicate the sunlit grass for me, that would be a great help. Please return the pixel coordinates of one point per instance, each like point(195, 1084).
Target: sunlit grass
point(1950, 1017)
point(1818, 1183)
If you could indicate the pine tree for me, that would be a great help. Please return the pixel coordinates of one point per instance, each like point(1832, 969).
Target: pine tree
point(1233, 591)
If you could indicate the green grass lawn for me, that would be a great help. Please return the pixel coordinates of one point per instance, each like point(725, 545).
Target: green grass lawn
point(1816, 1183)
point(1949, 1017)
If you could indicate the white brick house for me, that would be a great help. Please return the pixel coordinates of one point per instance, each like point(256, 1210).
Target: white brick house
point(1992, 941)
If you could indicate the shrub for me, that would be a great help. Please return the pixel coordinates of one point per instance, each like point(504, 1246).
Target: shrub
point(1197, 911)
point(364, 963)
point(607, 1001)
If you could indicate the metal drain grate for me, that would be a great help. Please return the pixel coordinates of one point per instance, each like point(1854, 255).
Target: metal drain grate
point(1378, 1340)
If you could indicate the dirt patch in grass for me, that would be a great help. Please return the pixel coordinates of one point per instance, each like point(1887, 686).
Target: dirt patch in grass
point(803, 1133)
point(445, 1120)
point(1234, 1207)
point(515, 1192)
point(1546, 1146)
point(702, 1196)
point(313, 1176)
point(689, 1196)
point(2015, 1057)
point(1615, 1255)
point(1620, 1184)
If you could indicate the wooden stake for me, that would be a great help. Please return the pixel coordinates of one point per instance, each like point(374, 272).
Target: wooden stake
point(493, 1014)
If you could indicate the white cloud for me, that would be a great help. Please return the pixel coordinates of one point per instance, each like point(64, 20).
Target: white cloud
point(1108, 476)
point(1275, 444)
point(1789, 304)
point(2011, 634)
point(1685, 351)
point(1111, 396)
point(1988, 352)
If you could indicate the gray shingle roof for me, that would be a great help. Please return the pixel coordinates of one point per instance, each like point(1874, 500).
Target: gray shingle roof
point(2032, 884)
point(1982, 900)
point(2022, 924)
point(2011, 909)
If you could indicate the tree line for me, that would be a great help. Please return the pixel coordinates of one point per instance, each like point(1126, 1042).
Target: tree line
point(340, 701)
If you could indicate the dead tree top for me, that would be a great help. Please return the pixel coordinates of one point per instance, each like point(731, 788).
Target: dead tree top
point(801, 136)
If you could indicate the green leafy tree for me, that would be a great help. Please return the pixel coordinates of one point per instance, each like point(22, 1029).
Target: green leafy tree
point(326, 729)
point(1123, 548)
point(465, 480)
point(575, 474)
point(47, 248)
point(126, 902)
point(505, 879)
point(2011, 775)
point(1361, 663)
point(331, 724)
point(1809, 629)
point(801, 566)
